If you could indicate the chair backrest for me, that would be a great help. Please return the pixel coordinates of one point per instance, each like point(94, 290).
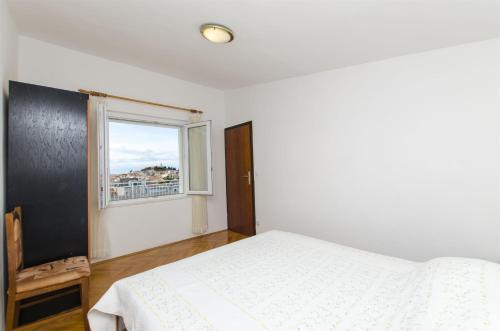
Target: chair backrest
point(14, 237)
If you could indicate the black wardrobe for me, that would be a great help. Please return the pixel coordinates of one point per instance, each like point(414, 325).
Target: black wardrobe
point(47, 175)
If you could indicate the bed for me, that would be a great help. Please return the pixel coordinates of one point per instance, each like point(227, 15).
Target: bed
point(284, 281)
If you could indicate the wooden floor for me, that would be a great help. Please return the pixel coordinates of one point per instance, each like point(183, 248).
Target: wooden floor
point(105, 273)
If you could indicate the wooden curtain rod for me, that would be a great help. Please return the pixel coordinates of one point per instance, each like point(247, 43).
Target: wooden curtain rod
point(105, 95)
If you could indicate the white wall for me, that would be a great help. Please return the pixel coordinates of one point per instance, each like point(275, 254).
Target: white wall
point(8, 71)
point(141, 226)
point(400, 157)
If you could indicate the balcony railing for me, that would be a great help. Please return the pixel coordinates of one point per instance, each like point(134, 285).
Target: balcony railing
point(143, 189)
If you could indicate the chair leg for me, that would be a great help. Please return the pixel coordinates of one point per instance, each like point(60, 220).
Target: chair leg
point(10, 315)
point(16, 313)
point(84, 296)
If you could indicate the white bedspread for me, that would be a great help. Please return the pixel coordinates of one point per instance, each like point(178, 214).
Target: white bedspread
point(284, 281)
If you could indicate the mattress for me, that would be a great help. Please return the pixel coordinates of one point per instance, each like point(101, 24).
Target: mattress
point(284, 281)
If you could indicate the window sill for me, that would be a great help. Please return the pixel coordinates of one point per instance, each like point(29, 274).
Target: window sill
point(131, 202)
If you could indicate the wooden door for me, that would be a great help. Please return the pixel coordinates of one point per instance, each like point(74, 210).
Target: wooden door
point(239, 179)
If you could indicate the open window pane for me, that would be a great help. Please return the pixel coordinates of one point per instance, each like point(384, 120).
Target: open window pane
point(199, 162)
point(197, 158)
point(143, 160)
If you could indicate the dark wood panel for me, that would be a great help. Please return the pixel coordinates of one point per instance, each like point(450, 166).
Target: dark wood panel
point(239, 179)
point(47, 170)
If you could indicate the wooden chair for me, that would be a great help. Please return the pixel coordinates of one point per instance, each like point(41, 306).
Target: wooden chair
point(45, 278)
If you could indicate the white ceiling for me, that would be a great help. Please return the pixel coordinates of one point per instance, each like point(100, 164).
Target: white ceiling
point(274, 39)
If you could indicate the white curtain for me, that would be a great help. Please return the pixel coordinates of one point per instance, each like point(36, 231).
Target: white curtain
point(199, 202)
point(99, 243)
point(200, 214)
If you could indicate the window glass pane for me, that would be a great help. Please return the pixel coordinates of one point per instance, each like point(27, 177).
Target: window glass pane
point(198, 177)
point(143, 160)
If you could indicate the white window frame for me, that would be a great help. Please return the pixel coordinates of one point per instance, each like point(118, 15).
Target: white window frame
point(208, 125)
point(146, 120)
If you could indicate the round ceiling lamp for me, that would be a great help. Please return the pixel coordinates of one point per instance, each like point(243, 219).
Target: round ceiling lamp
point(216, 33)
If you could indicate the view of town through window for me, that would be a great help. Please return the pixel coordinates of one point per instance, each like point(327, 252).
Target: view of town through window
point(143, 160)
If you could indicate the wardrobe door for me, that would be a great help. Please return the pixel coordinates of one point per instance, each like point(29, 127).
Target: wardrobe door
point(47, 170)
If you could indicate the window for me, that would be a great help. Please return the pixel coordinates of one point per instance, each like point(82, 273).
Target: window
point(143, 158)
point(199, 158)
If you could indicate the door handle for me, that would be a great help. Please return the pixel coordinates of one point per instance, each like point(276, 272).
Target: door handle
point(249, 178)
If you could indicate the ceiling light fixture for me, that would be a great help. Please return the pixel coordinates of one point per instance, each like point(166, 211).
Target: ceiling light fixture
point(216, 33)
